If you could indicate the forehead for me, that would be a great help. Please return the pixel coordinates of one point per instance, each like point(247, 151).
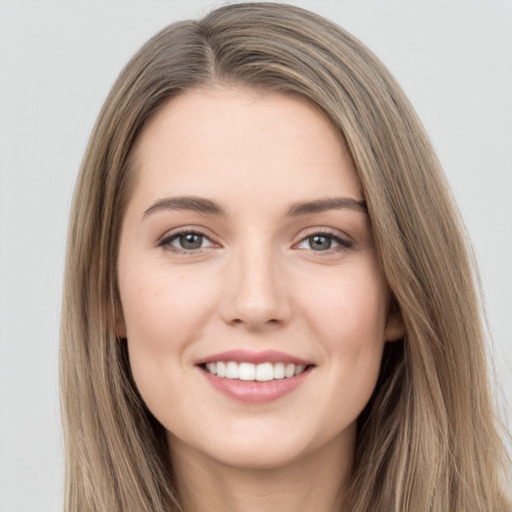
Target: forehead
point(222, 140)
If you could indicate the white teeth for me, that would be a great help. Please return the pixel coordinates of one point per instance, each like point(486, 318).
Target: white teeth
point(264, 371)
point(279, 371)
point(221, 369)
point(247, 371)
point(299, 369)
point(259, 372)
point(232, 370)
point(289, 371)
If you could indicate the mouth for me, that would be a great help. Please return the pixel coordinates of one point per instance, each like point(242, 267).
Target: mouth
point(247, 371)
point(255, 377)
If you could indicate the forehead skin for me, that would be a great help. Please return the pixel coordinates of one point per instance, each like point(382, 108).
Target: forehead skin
point(192, 124)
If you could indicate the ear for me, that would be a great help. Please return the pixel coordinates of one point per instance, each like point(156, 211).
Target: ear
point(395, 329)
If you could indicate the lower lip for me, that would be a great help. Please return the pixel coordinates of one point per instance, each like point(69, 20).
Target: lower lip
point(256, 392)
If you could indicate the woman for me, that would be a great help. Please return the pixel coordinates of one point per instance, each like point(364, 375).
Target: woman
point(269, 301)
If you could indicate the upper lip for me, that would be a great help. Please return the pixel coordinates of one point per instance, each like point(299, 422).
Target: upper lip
point(247, 356)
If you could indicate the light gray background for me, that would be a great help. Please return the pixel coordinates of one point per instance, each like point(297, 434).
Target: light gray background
point(57, 63)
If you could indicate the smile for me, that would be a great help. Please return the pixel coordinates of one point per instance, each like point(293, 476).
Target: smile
point(255, 377)
point(254, 372)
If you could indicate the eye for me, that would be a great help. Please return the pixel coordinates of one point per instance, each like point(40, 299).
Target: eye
point(322, 242)
point(186, 241)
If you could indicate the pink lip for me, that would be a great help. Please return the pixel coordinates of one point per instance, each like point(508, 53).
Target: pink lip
point(265, 356)
point(255, 392)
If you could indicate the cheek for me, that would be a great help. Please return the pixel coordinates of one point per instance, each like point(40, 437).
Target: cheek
point(164, 312)
point(165, 307)
point(349, 320)
point(349, 307)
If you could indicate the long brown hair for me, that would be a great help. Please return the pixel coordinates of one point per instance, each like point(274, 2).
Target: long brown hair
point(428, 439)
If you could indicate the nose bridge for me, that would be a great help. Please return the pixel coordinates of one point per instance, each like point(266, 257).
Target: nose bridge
point(257, 296)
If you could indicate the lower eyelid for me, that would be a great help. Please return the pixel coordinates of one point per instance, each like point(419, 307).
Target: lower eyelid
point(166, 241)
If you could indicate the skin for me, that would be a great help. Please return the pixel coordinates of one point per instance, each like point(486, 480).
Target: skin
point(256, 283)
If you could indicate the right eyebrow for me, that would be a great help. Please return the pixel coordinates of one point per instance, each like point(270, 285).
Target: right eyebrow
point(196, 204)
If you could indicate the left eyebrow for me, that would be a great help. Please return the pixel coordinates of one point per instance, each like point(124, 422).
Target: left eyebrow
point(322, 205)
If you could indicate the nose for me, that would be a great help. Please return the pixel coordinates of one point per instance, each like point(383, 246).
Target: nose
point(257, 294)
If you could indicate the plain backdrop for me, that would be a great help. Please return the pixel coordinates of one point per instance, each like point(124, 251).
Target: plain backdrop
point(57, 63)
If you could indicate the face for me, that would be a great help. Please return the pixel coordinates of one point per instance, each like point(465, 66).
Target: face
point(253, 303)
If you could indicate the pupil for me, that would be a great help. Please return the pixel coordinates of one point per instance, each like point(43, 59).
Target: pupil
point(319, 242)
point(191, 241)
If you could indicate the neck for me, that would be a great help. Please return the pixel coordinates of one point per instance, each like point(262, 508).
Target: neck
point(316, 481)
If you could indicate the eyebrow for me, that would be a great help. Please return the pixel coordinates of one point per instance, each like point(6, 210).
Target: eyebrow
point(322, 205)
point(195, 204)
point(209, 207)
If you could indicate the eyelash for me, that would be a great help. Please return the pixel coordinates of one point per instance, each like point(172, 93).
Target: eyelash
point(343, 244)
point(166, 242)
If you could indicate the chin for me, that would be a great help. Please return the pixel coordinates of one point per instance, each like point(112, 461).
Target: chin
point(256, 458)
point(258, 449)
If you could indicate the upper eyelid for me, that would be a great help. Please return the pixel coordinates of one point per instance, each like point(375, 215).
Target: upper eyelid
point(200, 230)
point(184, 230)
point(165, 242)
point(204, 231)
point(335, 233)
point(342, 243)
